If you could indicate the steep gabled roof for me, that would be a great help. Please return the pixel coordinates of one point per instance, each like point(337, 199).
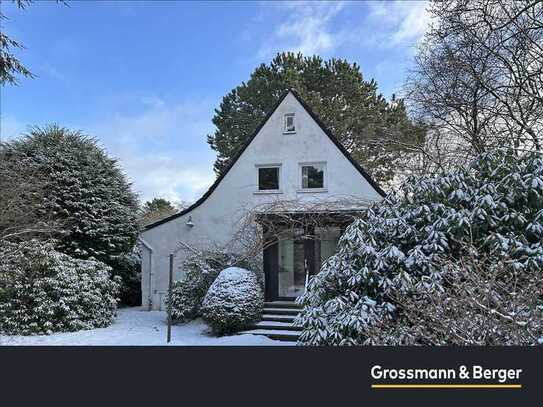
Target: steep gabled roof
point(334, 140)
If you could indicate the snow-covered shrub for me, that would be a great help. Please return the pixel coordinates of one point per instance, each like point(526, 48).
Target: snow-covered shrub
point(83, 188)
point(233, 301)
point(128, 268)
point(485, 301)
point(494, 207)
point(201, 268)
point(43, 291)
point(187, 295)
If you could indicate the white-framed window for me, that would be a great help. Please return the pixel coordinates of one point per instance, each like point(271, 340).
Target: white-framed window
point(290, 123)
point(313, 176)
point(268, 178)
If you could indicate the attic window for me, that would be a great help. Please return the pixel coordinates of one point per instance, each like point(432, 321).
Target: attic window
point(290, 125)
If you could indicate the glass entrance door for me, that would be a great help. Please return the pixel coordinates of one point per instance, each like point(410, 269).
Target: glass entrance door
point(295, 255)
point(326, 241)
point(292, 264)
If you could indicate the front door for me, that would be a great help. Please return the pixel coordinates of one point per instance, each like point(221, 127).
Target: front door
point(287, 264)
point(294, 256)
point(294, 263)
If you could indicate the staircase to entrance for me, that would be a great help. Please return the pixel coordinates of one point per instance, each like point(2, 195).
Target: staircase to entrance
point(277, 321)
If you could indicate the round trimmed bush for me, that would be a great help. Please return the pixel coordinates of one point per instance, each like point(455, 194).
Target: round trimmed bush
point(233, 301)
point(43, 291)
point(187, 295)
point(201, 269)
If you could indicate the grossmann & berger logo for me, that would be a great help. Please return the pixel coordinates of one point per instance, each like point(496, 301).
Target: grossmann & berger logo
point(463, 377)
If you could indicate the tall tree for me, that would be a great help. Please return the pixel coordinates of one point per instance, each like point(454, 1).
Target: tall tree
point(10, 66)
point(478, 77)
point(22, 189)
point(81, 187)
point(156, 209)
point(362, 119)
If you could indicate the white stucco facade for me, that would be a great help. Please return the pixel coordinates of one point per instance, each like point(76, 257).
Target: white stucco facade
point(216, 218)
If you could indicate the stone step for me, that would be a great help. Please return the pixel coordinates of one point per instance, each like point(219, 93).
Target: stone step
point(281, 304)
point(281, 311)
point(278, 318)
point(276, 334)
point(271, 325)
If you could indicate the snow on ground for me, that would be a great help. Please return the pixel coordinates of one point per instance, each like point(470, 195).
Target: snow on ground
point(134, 326)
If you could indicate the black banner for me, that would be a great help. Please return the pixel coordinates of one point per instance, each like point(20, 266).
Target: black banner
point(274, 376)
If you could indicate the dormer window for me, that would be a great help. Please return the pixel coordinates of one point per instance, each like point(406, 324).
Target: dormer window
point(290, 123)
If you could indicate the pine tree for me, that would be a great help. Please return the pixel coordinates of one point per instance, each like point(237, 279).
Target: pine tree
point(369, 126)
point(10, 66)
point(156, 209)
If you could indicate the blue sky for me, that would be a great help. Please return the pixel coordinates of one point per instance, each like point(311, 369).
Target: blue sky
point(144, 77)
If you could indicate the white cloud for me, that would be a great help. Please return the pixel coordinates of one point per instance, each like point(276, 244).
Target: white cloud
point(166, 176)
point(163, 149)
point(414, 23)
point(153, 101)
point(307, 29)
point(399, 22)
point(322, 27)
point(10, 128)
point(53, 72)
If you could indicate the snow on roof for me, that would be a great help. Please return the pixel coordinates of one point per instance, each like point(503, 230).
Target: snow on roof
point(330, 205)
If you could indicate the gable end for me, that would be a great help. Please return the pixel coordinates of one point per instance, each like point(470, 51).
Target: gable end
point(326, 131)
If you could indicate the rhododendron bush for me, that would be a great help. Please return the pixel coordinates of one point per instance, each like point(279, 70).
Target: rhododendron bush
point(43, 291)
point(399, 256)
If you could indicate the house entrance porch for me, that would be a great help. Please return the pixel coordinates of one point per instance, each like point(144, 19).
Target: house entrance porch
point(295, 250)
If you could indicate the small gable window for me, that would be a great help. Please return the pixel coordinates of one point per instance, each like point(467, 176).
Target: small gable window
point(268, 178)
point(290, 123)
point(313, 175)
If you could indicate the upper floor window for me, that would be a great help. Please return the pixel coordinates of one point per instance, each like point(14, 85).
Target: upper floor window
point(268, 178)
point(290, 123)
point(313, 175)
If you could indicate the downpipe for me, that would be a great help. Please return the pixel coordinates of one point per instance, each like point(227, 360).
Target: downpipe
point(150, 290)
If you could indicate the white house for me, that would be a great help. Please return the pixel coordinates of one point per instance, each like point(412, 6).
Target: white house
point(291, 157)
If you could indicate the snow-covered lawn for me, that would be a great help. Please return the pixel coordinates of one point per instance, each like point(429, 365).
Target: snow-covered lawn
point(136, 327)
